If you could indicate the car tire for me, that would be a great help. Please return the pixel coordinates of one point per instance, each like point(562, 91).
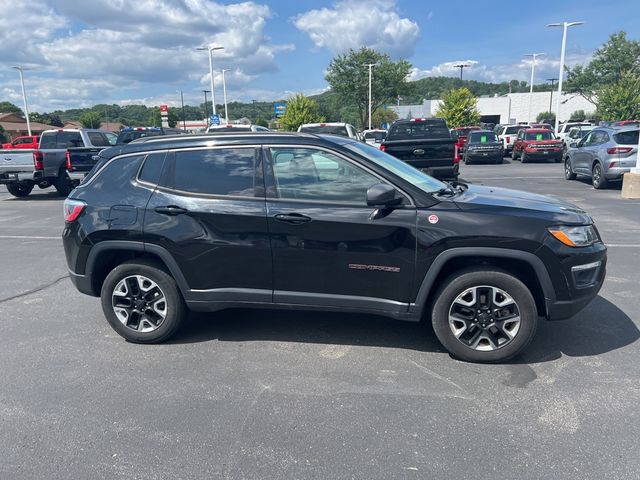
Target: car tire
point(467, 161)
point(19, 190)
point(569, 174)
point(480, 337)
point(597, 178)
point(142, 302)
point(499, 161)
point(514, 157)
point(523, 157)
point(63, 183)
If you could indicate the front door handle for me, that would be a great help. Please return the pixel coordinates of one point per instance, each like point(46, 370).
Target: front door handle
point(171, 210)
point(293, 218)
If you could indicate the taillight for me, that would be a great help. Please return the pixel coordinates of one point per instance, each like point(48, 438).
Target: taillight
point(614, 150)
point(37, 161)
point(67, 157)
point(72, 209)
point(508, 139)
point(456, 155)
point(382, 147)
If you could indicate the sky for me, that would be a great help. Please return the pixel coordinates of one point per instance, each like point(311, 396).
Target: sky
point(80, 53)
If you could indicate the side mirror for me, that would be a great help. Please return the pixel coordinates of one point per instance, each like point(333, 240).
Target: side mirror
point(382, 195)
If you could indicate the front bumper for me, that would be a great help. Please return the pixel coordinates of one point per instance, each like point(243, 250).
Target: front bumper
point(541, 155)
point(486, 156)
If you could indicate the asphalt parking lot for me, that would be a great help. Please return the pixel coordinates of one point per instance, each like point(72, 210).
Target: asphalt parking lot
point(272, 394)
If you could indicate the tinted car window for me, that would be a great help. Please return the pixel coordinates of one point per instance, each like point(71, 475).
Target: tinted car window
point(429, 128)
point(116, 175)
point(98, 139)
point(327, 130)
point(627, 138)
point(483, 137)
point(220, 171)
point(48, 140)
point(377, 136)
point(69, 140)
point(152, 168)
point(309, 174)
point(512, 130)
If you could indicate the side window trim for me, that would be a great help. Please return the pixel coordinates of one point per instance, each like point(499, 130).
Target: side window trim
point(270, 183)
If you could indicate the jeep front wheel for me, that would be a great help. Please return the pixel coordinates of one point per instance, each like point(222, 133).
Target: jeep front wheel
point(484, 315)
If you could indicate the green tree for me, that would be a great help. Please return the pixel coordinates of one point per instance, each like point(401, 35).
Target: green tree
point(46, 118)
point(262, 121)
point(607, 67)
point(578, 116)
point(8, 107)
point(4, 137)
point(620, 100)
point(91, 120)
point(548, 117)
point(300, 109)
point(459, 108)
point(383, 115)
point(349, 80)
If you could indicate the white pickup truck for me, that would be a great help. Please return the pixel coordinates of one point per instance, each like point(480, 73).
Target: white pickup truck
point(21, 170)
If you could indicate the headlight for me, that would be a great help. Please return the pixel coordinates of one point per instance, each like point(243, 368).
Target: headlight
point(581, 236)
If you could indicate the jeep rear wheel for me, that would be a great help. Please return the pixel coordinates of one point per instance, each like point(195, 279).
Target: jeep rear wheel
point(142, 303)
point(484, 315)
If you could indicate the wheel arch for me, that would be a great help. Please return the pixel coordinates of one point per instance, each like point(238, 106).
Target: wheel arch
point(523, 265)
point(107, 255)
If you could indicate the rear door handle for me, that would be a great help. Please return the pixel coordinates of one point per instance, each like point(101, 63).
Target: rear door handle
point(293, 218)
point(171, 210)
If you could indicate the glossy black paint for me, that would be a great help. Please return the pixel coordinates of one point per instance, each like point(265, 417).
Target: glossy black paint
point(262, 250)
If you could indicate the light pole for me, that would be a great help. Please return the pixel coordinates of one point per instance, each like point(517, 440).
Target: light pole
point(184, 124)
point(206, 108)
point(533, 68)
point(211, 48)
point(24, 97)
point(565, 26)
point(552, 80)
point(370, 66)
point(224, 94)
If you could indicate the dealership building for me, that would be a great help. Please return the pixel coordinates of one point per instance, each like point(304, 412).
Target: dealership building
point(510, 108)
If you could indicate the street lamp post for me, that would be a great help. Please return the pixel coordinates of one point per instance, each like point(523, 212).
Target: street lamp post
point(184, 122)
point(210, 49)
point(533, 68)
point(552, 80)
point(224, 94)
point(206, 107)
point(461, 66)
point(24, 97)
point(565, 26)
point(370, 66)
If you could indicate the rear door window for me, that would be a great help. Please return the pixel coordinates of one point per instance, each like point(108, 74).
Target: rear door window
point(215, 171)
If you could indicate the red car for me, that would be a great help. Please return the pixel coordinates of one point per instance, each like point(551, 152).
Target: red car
point(537, 144)
point(23, 142)
point(460, 134)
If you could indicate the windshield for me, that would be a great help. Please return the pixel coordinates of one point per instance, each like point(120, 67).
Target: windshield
point(377, 136)
point(483, 137)
point(546, 135)
point(403, 170)
point(340, 130)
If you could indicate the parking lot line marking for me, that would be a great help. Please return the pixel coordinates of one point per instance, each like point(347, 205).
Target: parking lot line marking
point(533, 177)
point(623, 245)
point(27, 237)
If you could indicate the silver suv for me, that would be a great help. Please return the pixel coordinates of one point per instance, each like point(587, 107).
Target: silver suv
point(605, 154)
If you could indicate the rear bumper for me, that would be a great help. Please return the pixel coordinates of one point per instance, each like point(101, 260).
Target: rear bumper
point(77, 176)
point(450, 172)
point(616, 173)
point(26, 176)
point(82, 283)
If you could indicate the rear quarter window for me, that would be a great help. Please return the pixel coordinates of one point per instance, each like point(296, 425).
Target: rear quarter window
point(116, 176)
point(627, 138)
point(152, 168)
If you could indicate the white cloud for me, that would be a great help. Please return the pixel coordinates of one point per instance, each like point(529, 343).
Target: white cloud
point(124, 45)
point(546, 67)
point(360, 23)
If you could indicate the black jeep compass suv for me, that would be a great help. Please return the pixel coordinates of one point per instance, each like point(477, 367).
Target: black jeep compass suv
point(167, 224)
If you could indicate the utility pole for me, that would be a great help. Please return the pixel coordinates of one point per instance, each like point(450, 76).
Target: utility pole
point(552, 80)
point(24, 98)
point(461, 66)
point(370, 66)
point(184, 123)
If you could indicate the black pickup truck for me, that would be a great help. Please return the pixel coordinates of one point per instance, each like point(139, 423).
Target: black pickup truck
point(424, 143)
